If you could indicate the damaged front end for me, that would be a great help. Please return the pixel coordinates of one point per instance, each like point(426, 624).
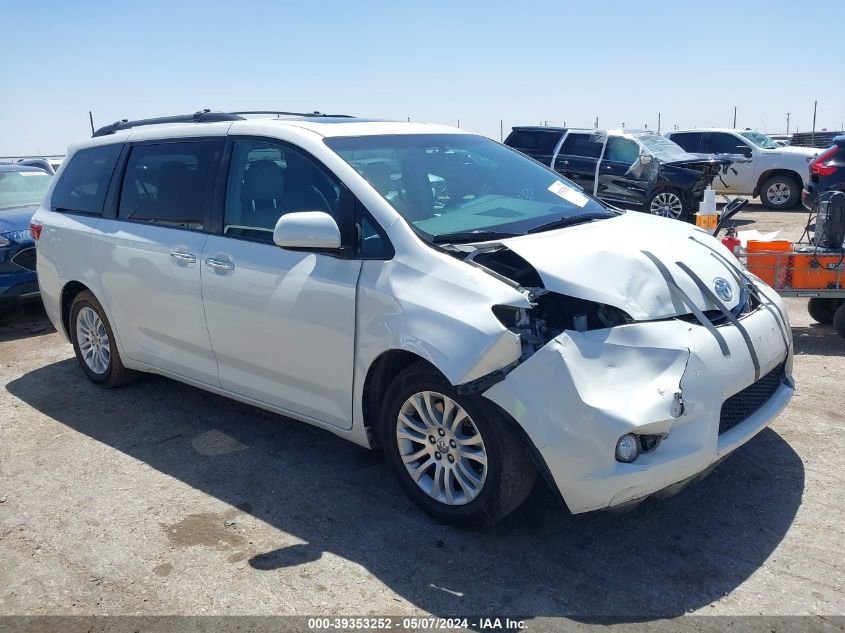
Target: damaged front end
point(622, 346)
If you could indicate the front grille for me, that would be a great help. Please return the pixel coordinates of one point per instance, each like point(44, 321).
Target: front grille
point(739, 407)
point(25, 259)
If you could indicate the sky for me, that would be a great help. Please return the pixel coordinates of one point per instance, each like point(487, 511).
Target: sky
point(477, 63)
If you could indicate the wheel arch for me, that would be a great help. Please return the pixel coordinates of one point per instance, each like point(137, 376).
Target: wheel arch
point(69, 292)
point(776, 172)
point(379, 375)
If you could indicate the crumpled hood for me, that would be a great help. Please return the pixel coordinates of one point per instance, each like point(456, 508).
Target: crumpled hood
point(604, 261)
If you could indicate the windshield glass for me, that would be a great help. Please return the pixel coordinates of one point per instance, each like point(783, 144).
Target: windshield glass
point(463, 187)
point(760, 140)
point(662, 148)
point(22, 188)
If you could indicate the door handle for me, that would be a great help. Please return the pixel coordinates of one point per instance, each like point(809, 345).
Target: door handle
point(219, 264)
point(607, 167)
point(184, 258)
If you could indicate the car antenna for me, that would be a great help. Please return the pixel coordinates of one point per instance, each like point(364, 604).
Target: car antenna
point(91, 120)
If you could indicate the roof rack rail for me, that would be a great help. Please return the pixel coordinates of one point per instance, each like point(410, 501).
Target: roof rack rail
point(202, 116)
point(311, 114)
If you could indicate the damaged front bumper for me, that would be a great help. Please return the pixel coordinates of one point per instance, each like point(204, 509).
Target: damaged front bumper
point(582, 391)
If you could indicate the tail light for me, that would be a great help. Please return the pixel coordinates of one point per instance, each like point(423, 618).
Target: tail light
point(818, 167)
point(35, 229)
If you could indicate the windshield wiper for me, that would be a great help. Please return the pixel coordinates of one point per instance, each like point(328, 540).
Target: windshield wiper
point(479, 235)
point(569, 221)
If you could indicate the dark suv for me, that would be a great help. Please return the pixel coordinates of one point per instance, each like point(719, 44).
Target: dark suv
point(637, 169)
point(827, 173)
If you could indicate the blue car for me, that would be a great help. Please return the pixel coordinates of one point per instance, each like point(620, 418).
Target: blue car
point(21, 191)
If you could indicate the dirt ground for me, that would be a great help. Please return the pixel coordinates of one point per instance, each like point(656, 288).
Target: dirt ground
point(160, 498)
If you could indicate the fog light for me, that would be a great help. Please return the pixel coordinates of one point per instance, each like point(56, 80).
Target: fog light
point(627, 448)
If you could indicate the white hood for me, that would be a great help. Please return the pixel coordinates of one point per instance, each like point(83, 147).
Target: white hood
point(789, 150)
point(605, 261)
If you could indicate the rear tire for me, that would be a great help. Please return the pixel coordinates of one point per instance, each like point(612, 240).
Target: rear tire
point(94, 344)
point(839, 320)
point(427, 447)
point(823, 309)
point(780, 193)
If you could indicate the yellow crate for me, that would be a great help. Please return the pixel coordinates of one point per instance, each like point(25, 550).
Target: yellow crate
point(706, 221)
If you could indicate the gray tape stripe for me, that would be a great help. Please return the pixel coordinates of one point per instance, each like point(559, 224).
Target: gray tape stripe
point(730, 316)
point(775, 311)
point(674, 288)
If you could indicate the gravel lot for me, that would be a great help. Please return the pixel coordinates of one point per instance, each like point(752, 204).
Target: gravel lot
point(160, 498)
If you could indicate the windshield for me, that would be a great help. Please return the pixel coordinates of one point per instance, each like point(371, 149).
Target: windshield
point(760, 140)
point(463, 187)
point(662, 148)
point(22, 188)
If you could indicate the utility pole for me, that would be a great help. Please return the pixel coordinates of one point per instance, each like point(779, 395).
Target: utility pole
point(597, 123)
point(734, 117)
point(813, 135)
point(501, 131)
point(459, 123)
point(787, 121)
point(658, 123)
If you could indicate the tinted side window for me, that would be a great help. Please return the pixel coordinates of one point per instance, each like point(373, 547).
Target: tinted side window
point(169, 184)
point(266, 181)
point(536, 141)
point(581, 145)
point(690, 141)
point(83, 184)
point(622, 150)
point(721, 143)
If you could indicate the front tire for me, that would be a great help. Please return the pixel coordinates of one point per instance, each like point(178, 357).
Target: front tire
point(94, 344)
point(455, 456)
point(668, 203)
point(822, 309)
point(780, 193)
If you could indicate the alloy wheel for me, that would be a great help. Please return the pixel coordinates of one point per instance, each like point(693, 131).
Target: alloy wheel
point(441, 448)
point(93, 340)
point(666, 205)
point(778, 193)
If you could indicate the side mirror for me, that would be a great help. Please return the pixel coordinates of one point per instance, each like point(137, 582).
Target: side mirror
point(307, 230)
point(744, 150)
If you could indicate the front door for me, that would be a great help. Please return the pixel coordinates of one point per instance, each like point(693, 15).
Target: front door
point(622, 181)
point(739, 178)
point(282, 322)
point(148, 258)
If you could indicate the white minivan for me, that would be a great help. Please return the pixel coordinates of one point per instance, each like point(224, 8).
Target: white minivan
point(419, 289)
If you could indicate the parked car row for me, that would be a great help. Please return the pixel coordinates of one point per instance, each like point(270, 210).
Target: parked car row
point(638, 170)
point(21, 190)
point(424, 290)
point(667, 174)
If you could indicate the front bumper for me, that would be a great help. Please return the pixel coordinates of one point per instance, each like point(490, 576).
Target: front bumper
point(580, 393)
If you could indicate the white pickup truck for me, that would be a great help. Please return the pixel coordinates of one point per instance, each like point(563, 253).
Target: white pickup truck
point(774, 173)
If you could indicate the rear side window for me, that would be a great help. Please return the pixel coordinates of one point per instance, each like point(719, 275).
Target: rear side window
point(535, 141)
point(690, 141)
point(169, 184)
point(83, 184)
point(581, 145)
